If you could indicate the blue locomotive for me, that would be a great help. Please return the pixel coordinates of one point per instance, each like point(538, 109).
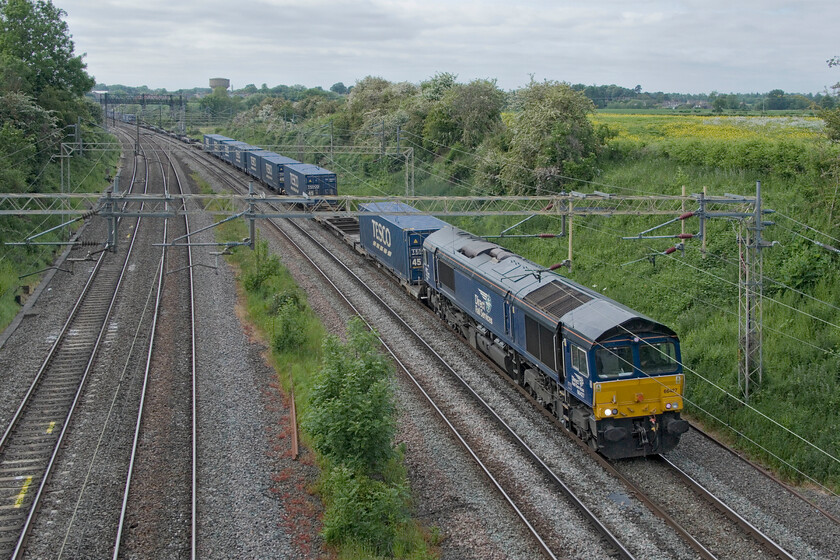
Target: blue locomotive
point(610, 374)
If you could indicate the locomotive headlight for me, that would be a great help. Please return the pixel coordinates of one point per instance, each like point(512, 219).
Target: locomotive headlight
point(668, 406)
point(607, 412)
point(615, 411)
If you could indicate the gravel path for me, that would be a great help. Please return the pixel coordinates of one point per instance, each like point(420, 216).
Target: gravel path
point(253, 499)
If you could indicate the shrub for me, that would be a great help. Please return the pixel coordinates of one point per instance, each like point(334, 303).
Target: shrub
point(362, 509)
point(351, 414)
point(265, 266)
point(289, 327)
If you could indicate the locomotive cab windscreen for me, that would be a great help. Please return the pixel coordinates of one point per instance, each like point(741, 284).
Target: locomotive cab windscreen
point(636, 358)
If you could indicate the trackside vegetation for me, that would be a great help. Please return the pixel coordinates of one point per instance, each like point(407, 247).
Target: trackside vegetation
point(42, 84)
point(344, 397)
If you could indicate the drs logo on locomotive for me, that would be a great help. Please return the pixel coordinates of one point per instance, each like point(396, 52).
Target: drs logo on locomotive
point(483, 306)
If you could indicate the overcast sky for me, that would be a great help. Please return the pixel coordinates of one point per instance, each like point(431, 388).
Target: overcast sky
point(672, 46)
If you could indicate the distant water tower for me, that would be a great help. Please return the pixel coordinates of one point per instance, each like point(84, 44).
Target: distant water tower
point(223, 83)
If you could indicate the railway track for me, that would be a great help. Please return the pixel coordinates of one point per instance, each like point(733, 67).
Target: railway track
point(613, 545)
point(31, 442)
point(785, 488)
point(158, 514)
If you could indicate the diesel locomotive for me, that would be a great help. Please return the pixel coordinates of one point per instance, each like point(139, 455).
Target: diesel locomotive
point(609, 374)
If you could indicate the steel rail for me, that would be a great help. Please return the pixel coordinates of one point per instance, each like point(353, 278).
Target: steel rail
point(133, 455)
point(193, 382)
point(193, 371)
point(730, 513)
point(764, 472)
point(40, 378)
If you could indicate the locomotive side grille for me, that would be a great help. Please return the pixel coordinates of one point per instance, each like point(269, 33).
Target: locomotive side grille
point(446, 275)
point(557, 298)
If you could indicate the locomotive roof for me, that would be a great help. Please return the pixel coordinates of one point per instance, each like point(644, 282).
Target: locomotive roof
point(584, 311)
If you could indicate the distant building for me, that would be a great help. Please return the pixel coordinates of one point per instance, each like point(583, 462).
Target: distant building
point(223, 83)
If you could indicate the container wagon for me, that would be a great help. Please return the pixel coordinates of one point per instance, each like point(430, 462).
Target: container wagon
point(309, 180)
point(396, 240)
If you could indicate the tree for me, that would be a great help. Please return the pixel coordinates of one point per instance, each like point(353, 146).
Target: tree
point(36, 58)
point(434, 88)
point(552, 141)
point(219, 103)
point(776, 100)
point(476, 109)
point(719, 104)
point(831, 114)
point(32, 31)
point(339, 88)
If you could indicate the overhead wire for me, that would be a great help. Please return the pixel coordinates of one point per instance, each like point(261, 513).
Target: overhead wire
point(806, 226)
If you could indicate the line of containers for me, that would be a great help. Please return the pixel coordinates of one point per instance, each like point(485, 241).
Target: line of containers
point(279, 173)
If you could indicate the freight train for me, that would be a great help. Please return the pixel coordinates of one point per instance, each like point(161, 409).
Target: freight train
point(609, 374)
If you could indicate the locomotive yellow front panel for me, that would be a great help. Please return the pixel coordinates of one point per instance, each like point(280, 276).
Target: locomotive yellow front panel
point(638, 397)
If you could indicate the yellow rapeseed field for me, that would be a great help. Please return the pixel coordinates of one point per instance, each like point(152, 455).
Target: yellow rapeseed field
point(650, 128)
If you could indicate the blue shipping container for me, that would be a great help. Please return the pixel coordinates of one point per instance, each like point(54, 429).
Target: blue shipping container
point(396, 240)
point(225, 148)
point(273, 170)
point(212, 143)
point(238, 151)
point(253, 162)
point(311, 180)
